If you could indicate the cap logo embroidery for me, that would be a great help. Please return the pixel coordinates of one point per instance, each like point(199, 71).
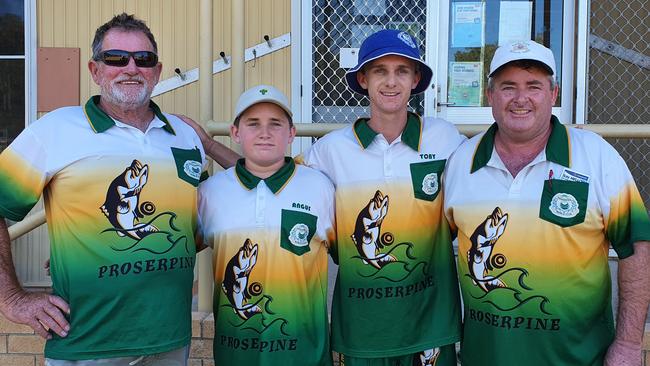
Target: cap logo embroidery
point(406, 38)
point(564, 205)
point(519, 47)
point(264, 91)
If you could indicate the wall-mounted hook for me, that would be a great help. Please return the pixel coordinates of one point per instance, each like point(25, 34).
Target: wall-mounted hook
point(180, 74)
point(268, 41)
point(223, 56)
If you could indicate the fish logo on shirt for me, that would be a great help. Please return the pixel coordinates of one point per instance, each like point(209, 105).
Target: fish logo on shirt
point(248, 299)
point(367, 232)
point(394, 264)
point(132, 219)
point(122, 205)
point(480, 259)
point(236, 277)
point(487, 269)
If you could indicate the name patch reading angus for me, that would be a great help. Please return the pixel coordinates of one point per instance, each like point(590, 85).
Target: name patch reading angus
point(395, 264)
point(239, 292)
point(132, 219)
point(483, 263)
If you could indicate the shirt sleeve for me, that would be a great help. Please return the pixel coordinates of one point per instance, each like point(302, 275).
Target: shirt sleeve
point(311, 157)
point(625, 214)
point(319, 157)
point(23, 175)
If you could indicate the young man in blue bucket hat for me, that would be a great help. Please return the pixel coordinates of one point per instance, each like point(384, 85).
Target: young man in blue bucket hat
point(396, 299)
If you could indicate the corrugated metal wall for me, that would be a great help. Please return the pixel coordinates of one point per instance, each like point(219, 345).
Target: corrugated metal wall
point(175, 24)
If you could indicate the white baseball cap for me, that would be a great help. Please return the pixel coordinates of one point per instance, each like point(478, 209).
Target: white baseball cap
point(522, 50)
point(261, 94)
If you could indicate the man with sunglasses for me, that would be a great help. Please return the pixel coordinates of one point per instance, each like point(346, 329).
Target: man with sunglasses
point(119, 180)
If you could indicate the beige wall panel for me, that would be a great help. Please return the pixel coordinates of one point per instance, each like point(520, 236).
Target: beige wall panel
point(273, 69)
point(84, 39)
point(59, 15)
point(272, 18)
point(45, 24)
point(222, 30)
point(175, 23)
point(72, 28)
point(178, 18)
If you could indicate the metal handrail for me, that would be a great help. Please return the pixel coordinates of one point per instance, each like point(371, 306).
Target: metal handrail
point(629, 131)
point(28, 224)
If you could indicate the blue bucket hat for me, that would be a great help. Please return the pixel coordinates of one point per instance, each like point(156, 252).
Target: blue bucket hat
point(389, 42)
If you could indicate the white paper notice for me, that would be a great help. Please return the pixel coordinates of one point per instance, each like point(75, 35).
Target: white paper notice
point(348, 57)
point(465, 83)
point(467, 25)
point(515, 21)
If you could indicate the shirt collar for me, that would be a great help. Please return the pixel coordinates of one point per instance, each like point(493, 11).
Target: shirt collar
point(100, 121)
point(275, 182)
point(558, 146)
point(411, 136)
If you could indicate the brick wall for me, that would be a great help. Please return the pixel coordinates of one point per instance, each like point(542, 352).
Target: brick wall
point(19, 346)
point(202, 335)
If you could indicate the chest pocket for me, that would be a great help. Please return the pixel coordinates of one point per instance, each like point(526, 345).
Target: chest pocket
point(563, 202)
point(296, 230)
point(188, 165)
point(425, 177)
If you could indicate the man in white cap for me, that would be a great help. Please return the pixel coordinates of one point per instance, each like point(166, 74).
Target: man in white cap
point(396, 297)
point(536, 206)
point(271, 222)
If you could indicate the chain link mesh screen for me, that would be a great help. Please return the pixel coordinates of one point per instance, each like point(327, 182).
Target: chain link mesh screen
point(619, 90)
point(345, 24)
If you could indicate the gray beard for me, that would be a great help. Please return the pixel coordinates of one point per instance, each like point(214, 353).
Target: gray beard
point(114, 95)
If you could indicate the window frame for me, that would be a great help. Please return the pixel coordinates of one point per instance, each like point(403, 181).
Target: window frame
point(29, 59)
point(30, 62)
point(482, 115)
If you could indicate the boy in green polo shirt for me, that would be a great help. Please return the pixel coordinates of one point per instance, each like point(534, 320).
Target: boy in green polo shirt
point(271, 223)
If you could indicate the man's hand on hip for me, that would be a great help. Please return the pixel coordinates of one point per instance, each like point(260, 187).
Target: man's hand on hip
point(622, 353)
point(43, 312)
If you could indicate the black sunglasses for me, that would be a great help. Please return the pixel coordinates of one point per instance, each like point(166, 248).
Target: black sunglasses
point(120, 58)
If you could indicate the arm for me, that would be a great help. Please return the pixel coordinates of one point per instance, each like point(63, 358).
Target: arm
point(220, 153)
point(214, 149)
point(40, 311)
point(633, 297)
